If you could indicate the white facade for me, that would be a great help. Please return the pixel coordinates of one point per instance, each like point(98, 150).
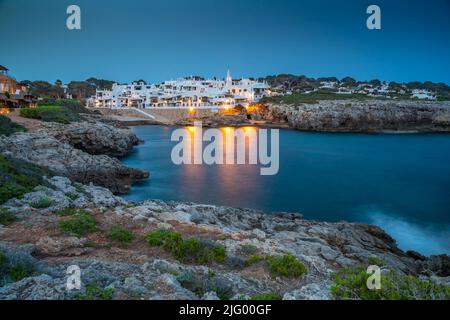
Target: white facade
point(423, 95)
point(187, 92)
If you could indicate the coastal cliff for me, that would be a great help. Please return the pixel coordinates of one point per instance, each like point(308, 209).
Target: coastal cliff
point(82, 151)
point(359, 115)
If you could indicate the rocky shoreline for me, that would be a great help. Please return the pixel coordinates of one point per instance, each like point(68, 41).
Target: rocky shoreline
point(359, 116)
point(139, 271)
point(172, 250)
point(82, 151)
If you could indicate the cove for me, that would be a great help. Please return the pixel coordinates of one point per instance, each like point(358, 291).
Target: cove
point(399, 182)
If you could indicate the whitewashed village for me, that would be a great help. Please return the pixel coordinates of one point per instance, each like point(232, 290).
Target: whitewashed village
point(197, 92)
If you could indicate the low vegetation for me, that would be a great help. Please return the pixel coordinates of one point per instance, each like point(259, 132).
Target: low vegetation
point(72, 195)
point(187, 250)
point(6, 217)
point(8, 127)
point(376, 261)
point(43, 203)
point(351, 283)
point(12, 270)
point(120, 234)
point(18, 177)
point(94, 292)
point(201, 285)
point(51, 114)
point(79, 224)
point(286, 266)
point(311, 98)
point(267, 296)
point(70, 212)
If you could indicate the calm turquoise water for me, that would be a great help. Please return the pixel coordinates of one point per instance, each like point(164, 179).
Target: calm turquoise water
point(400, 182)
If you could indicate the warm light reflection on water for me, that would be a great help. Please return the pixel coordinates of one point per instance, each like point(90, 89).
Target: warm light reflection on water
point(328, 177)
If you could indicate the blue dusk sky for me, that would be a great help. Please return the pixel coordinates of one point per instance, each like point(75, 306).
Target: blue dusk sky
point(157, 40)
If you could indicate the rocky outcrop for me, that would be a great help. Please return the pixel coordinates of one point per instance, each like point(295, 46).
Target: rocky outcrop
point(63, 159)
point(361, 116)
point(95, 138)
point(137, 271)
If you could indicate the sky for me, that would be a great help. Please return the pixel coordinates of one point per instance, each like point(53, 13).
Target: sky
point(157, 40)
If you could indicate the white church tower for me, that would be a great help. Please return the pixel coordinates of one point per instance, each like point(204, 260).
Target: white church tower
point(228, 80)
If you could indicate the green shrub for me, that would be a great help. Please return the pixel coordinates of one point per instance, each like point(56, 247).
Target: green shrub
point(351, 283)
point(8, 127)
point(6, 217)
point(94, 292)
point(79, 225)
point(373, 260)
point(120, 234)
point(18, 177)
point(51, 114)
point(188, 281)
point(200, 285)
point(312, 98)
point(72, 195)
point(280, 266)
point(191, 249)
point(70, 212)
point(249, 249)
point(267, 296)
point(43, 202)
point(3, 259)
point(285, 266)
point(21, 270)
point(254, 259)
point(15, 267)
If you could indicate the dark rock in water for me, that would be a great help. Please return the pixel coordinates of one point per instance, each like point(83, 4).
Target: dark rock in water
point(94, 137)
point(65, 160)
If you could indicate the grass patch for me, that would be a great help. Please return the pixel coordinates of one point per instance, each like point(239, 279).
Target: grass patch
point(374, 260)
point(8, 127)
point(249, 249)
point(280, 266)
point(19, 271)
point(14, 272)
point(7, 217)
point(285, 266)
point(120, 234)
point(72, 195)
point(94, 292)
point(42, 203)
point(200, 286)
point(18, 177)
point(79, 225)
point(51, 114)
point(351, 283)
point(3, 259)
point(267, 296)
point(70, 212)
point(312, 98)
point(187, 250)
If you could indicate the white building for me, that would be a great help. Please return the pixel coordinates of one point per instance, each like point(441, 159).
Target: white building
point(423, 94)
point(187, 92)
